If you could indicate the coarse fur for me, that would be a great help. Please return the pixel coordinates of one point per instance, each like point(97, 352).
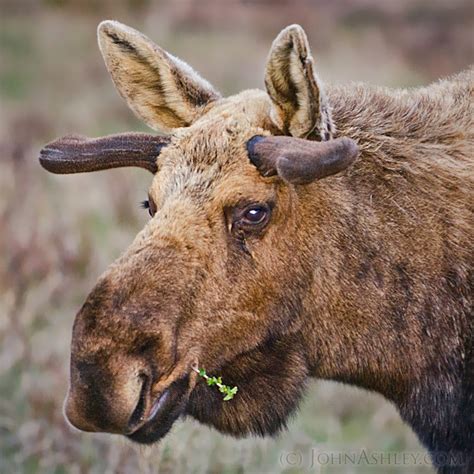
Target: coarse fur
point(364, 277)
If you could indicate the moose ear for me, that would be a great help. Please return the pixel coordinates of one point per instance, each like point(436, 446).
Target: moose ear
point(300, 108)
point(162, 90)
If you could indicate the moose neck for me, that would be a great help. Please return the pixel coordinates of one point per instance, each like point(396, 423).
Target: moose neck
point(389, 306)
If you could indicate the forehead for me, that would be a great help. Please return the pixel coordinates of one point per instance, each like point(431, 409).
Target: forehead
point(213, 149)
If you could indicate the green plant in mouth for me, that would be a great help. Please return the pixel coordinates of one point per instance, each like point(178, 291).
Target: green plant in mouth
point(228, 392)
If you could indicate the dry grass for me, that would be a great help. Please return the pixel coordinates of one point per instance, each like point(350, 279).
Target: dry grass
point(58, 233)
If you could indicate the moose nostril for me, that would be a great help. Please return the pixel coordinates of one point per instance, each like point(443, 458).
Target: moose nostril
point(138, 414)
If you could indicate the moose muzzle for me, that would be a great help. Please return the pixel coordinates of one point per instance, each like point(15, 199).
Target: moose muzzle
point(111, 398)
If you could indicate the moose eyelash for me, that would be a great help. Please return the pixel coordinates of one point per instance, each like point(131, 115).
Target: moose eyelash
point(145, 204)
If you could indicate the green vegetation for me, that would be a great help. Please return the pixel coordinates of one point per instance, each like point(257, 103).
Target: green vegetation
point(229, 392)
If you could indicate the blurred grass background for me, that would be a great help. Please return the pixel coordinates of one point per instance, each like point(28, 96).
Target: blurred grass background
point(58, 233)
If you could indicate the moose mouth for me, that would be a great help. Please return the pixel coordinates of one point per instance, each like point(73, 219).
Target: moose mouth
point(165, 410)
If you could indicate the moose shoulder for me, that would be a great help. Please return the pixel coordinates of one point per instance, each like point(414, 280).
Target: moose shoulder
point(305, 231)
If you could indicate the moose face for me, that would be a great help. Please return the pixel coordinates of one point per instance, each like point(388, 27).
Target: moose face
point(217, 278)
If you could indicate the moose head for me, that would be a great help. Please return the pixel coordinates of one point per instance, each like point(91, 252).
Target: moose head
point(217, 278)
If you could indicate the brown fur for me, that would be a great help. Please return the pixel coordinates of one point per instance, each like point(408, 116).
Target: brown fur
point(364, 277)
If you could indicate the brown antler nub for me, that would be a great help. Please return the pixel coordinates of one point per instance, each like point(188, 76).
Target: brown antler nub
point(76, 154)
point(300, 161)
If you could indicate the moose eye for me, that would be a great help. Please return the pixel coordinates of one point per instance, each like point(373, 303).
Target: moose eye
point(252, 218)
point(255, 214)
point(150, 205)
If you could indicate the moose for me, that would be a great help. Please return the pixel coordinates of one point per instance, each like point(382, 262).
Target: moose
point(301, 231)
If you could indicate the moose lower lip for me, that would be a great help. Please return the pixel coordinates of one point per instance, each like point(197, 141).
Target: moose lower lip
point(160, 401)
point(166, 409)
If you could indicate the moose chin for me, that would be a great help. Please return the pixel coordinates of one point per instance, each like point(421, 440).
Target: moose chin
point(301, 231)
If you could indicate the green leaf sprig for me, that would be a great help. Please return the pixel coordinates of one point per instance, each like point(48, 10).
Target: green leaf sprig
point(229, 392)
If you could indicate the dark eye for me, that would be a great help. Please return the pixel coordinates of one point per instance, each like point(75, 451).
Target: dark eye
point(255, 214)
point(150, 205)
point(252, 218)
point(247, 221)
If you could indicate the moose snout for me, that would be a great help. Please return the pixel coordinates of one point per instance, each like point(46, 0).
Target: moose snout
point(105, 400)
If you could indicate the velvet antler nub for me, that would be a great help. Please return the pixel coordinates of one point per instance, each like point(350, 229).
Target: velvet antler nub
point(76, 154)
point(300, 161)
